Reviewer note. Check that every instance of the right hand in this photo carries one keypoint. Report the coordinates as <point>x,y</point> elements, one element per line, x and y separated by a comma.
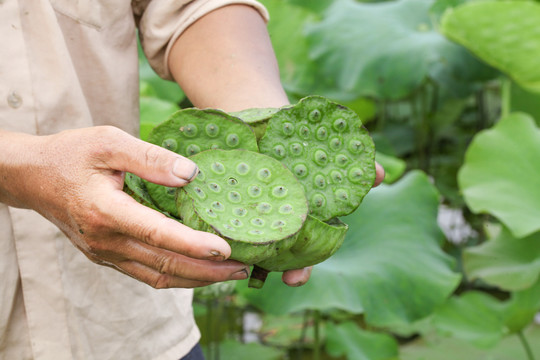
<point>75,179</point>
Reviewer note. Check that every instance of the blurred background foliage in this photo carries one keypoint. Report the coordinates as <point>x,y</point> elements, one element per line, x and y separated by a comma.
<point>442,261</point>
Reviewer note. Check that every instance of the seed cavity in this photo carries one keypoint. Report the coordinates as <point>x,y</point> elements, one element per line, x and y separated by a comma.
<point>280,191</point>
<point>288,129</point>
<point>242,168</point>
<point>232,140</point>
<point>342,160</point>
<point>190,130</point>
<point>296,149</point>
<point>279,150</point>
<point>237,222</point>
<point>355,146</point>
<point>218,168</point>
<point>218,206</point>
<point>319,181</point>
<point>254,191</point>
<point>211,213</point>
<point>318,200</point>
<point>315,116</point>
<point>212,130</point>
<point>303,132</point>
<point>200,193</point>
<point>322,133</point>
<point>170,144</point>
<point>240,212</point>
<point>301,170</point>
<point>232,181</point>
<point>214,146</point>
<point>285,209</point>
<point>340,125</point>
<point>336,176</point>
<point>214,187</point>
<point>193,149</point>
<point>342,194</point>
<point>336,143</point>
<point>170,191</point>
<point>235,197</point>
<point>257,222</point>
<point>356,174</point>
<point>320,157</point>
<point>264,174</point>
<point>255,232</point>
<point>264,208</point>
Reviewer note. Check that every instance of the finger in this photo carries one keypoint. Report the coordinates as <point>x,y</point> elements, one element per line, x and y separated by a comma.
<point>169,263</point>
<point>297,277</point>
<point>154,278</point>
<point>379,174</point>
<point>148,161</point>
<point>155,229</point>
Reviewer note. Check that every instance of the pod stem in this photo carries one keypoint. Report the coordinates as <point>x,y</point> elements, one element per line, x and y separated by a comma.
<point>258,277</point>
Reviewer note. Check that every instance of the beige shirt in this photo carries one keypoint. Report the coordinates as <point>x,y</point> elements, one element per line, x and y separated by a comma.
<point>70,64</point>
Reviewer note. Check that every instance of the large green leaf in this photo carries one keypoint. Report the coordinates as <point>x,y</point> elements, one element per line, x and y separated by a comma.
<point>388,49</point>
<point>501,173</point>
<point>358,344</point>
<point>483,320</point>
<point>390,266</point>
<point>505,34</point>
<point>506,262</point>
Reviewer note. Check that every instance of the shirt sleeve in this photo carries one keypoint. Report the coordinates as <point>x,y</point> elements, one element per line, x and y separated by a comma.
<point>161,22</point>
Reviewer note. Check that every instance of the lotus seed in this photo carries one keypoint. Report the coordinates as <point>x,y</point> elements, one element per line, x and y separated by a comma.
<point>296,149</point>
<point>212,130</point>
<point>285,209</point>
<point>242,168</point>
<point>356,174</point>
<point>319,181</point>
<point>315,116</point>
<point>321,157</point>
<point>236,222</point>
<point>214,187</point>
<point>322,133</point>
<point>193,149</point>
<point>232,181</point>
<point>264,208</point>
<point>218,206</point>
<point>279,150</point>
<point>211,213</point>
<point>342,194</point>
<point>304,132</point>
<point>257,222</point>
<point>301,170</point>
<point>190,130</point>
<point>355,146</point>
<point>280,191</point>
<point>170,144</point>
<point>335,143</point>
<point>318,200</point>
<point>200,193</point>
<point>214,146</point>
<point>340,125</point>
<point>255,232</point>
<point>235,197</point>
<point>218,168</point>
<point>232,140</point>
<point>288,129</point>
<point>342,160</point>
<point>278,224</point>
<point>336,176</point>
<point>254,191</point>
<point>240,212</point>
<point>264,174</point>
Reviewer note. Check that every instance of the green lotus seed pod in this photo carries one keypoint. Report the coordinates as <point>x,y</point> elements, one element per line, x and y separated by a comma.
<point>316,242</point>
<point>249,199</point>
<point>257,118</point>
<point>136,188</point>
<point>190,131</point>
<point>325,145</point>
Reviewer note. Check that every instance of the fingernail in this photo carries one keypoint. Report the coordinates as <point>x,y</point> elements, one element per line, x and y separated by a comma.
<point>181,170</point>
<point>240,275</point>
<point>216,256</point>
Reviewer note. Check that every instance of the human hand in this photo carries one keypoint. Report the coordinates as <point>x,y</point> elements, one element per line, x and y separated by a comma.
<point>75,179</point>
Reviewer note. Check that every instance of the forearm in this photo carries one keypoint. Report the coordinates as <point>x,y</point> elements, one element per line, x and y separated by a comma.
<point>225,60</point>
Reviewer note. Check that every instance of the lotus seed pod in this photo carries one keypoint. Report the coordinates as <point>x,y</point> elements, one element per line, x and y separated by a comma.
<point>325,145</point>
<point>257,118</point>
<point>190,131</point>
<point>249,199</point>
<point>136,188</point>
<point>214,291</point>
<point>316,242</point>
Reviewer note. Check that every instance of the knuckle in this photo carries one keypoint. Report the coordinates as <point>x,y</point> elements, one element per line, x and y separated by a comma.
<point>154,158</point>
<point>165,265</point>
<point>162,281</point>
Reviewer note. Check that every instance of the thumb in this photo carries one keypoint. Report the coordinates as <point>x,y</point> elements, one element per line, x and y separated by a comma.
<point>150,162</point>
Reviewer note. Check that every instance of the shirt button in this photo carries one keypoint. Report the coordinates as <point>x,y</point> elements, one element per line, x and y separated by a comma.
<point>14,100</point>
